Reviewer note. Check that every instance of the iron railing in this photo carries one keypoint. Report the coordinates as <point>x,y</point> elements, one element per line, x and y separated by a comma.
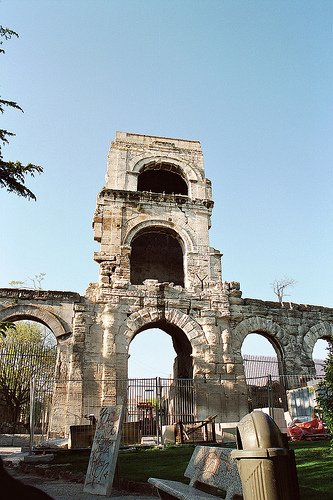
<point>157,402</point>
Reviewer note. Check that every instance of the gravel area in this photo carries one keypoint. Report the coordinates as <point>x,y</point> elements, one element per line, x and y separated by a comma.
<point>63,490</point>
<point>60,489</point>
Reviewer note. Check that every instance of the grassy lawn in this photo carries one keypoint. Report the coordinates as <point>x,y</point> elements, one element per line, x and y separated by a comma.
<point>314,469</point>
<point>314,465</point>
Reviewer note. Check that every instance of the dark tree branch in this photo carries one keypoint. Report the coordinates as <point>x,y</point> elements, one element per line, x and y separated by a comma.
<point>13,174</point>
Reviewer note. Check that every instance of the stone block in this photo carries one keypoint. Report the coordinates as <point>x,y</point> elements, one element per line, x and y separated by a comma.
<point>38,459</point>
<point>200,304</point>
<point>179,303</point>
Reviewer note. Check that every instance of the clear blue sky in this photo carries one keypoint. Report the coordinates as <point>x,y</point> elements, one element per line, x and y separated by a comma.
<point>251,80</point>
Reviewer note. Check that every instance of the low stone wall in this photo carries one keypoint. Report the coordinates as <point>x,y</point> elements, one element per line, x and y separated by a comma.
<point>19,440</point>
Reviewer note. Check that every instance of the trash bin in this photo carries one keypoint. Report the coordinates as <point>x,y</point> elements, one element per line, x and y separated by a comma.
<point>266,466</point>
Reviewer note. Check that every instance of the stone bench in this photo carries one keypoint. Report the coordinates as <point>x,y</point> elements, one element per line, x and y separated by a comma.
<point>210,469</point>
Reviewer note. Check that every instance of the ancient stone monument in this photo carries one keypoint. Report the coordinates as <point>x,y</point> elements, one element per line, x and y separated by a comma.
<point>157,269</point>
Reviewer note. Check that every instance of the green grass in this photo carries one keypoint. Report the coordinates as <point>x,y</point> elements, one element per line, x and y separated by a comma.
<point>137,464</point>
<point>165,463</point>
<point>314,465</point>
<point>314,469</point>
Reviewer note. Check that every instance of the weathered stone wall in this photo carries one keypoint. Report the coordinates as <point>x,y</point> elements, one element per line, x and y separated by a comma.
<point>54,309</point>
<point>207,319</point>
<point>94,347</point>
<point>293,329</point>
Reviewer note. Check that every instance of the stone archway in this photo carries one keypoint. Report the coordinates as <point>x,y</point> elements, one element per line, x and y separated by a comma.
<point>33,313</point>
<point>153,317</point>
<point>192,334</point>
<point>265,382</point>
<point>182,366</point>
<point>156,254</point>
<point>161,177</point>
<point>145,318</point>
<point>147,225</point>
<point>190,174</point>
<point>322,330</point>
<point>268,328</point>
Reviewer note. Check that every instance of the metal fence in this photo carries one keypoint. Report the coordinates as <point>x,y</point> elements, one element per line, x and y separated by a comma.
<point>164,400</point>
<point>19,364</point>
<point>294,393</point>
<point>157,402</point>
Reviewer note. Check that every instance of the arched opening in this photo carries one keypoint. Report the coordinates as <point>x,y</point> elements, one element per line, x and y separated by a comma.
<point>263,367</point>
<point>155,354</point>
<point>162,177</point>
<point>28,351</point>
<point>319,355</point>
<point>151,355</point>
<point>157,254</point>
<point>163,352</point>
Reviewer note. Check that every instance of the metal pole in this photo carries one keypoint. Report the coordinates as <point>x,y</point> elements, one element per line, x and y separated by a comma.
<point>270,396</point>
<point>32,413</point>
<point>158,395</point>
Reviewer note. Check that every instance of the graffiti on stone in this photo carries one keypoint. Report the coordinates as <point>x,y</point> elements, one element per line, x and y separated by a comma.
<point>104,452</point>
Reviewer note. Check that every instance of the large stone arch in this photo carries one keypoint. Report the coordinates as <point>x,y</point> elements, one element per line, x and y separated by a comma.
<point>271,330</point>
<point>190,173</point>
<point>33,313</point>
<point>322,330</point>
<point>152,316</point>
<point>187,240</point>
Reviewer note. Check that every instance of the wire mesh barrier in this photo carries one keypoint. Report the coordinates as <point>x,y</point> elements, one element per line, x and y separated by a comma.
<point>296,394</point>
<point>40,406</point>
<point>153,406</point>
<point>159,402</point>
<point>19,364</point>
<point>267,388</point>
<point>171,399</point>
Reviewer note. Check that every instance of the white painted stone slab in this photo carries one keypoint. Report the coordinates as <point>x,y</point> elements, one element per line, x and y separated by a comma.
<point>104,451</point>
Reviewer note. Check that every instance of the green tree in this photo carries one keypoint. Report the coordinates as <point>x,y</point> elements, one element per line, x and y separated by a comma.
<point>26,351</point>
<point>4,327</point>
<point>325,392</point>
<point>13,174</point>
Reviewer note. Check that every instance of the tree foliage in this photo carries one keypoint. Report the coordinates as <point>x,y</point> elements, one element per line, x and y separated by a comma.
<point>325,392</point>
<point>13,174</point>
<point>26,351</point>
<point>4,327</point>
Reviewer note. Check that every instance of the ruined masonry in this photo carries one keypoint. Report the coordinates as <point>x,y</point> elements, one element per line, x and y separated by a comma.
<point>157,269</point>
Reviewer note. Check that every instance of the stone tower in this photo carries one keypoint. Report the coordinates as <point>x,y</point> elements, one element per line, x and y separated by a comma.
<point>156,266</point>
<point>153,215</point>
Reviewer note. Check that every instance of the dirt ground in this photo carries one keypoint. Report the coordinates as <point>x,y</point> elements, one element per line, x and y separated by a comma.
<point>59,489</point>
<point>63,490</point>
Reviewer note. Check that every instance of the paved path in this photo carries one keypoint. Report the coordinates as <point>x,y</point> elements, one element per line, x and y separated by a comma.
<point>60,489</point>
<point>63,490</point>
